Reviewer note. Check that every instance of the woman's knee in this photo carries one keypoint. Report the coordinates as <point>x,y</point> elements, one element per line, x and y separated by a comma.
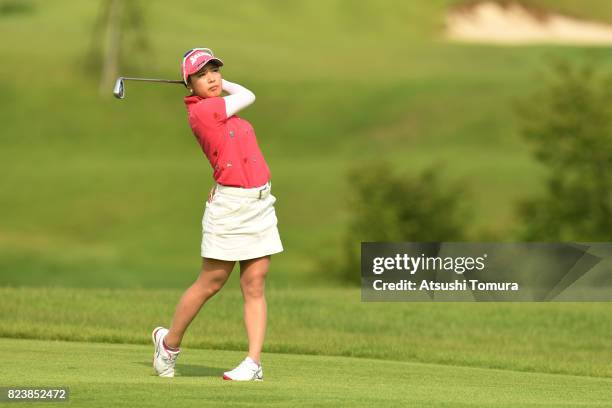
<point>211,281</point>
<point>253,276</point>
<point>253,287</point>
<point>212,286</point>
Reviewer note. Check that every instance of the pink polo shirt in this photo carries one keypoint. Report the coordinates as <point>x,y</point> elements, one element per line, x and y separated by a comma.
<point>229,144</point>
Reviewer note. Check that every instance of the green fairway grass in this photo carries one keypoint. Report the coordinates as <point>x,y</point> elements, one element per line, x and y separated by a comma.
<point>568,338</point>
<point>105,193</point>
<point>103,375</point>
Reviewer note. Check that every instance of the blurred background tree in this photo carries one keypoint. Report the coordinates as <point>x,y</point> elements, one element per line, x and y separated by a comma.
<point>9,7</point>
<point>119,30</point>
<point>387,206</point>
<point>569,123</point>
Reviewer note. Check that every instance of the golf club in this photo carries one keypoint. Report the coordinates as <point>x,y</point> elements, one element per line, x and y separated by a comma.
<point>119,89</point>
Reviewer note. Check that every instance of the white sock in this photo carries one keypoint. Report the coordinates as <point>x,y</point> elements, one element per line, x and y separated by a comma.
<point>249,359</point>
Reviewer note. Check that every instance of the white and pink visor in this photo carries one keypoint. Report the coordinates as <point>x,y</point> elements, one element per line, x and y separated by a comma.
<point>195,59</point>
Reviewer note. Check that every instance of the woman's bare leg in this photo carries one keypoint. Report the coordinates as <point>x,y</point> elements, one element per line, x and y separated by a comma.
<point>252,283</point>
<point>212,277</point>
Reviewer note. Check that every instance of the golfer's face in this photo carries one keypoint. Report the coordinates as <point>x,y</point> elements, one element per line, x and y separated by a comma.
<point>206,83</point>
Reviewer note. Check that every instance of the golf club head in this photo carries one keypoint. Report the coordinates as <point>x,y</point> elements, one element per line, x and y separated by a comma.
<point>119,89</point>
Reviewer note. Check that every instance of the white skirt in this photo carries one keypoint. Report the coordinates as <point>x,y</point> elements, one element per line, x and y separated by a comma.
<point>238,224</point>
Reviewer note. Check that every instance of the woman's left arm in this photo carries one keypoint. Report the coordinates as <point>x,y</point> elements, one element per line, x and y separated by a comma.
<point>239,97</point>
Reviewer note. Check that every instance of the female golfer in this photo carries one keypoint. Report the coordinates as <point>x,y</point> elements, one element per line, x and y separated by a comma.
<point>239,222</point>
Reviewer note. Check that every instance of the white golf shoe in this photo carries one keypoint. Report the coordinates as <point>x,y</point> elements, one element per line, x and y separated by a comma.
<point>248,370</point>
<point>163,358</point>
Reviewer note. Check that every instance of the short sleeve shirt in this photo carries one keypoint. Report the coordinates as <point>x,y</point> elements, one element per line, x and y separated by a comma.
<point>229,144</point>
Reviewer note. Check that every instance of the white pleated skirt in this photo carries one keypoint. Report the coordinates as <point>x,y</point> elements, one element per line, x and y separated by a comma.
<point>238,224</point>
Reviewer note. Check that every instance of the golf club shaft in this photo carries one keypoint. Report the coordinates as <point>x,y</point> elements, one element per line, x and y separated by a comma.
<point>173,81</point>
<point>119,88</point>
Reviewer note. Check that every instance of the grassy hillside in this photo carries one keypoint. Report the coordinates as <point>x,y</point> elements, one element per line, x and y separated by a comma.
<point>100,192</point>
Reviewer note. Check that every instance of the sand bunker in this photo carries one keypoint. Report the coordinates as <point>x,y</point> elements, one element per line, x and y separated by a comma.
<point>513,24</point>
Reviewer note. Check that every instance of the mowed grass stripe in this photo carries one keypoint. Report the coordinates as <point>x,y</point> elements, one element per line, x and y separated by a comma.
<point>569,338</point>
<point>121,375</point>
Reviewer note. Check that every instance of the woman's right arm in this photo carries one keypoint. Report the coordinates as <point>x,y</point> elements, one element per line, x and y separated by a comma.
<point>239,97</point>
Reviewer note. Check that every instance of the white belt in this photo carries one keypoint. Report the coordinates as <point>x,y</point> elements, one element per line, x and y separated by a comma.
<point>256,192</point>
